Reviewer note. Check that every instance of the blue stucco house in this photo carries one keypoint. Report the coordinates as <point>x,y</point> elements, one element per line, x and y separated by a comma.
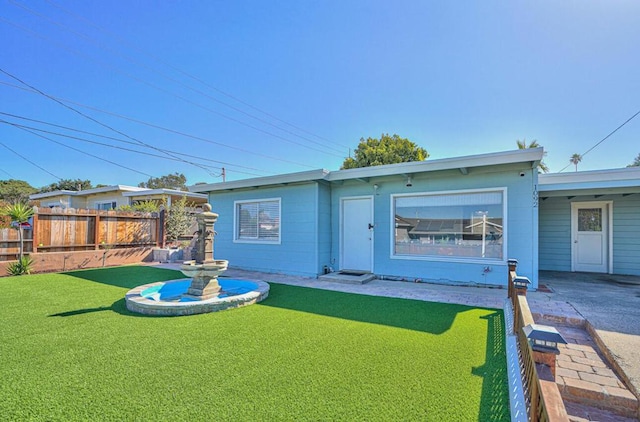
<point>454,220</point>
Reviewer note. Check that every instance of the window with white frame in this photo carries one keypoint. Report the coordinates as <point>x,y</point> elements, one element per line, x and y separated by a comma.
<point>110,205</point>
<point>466,225</point>
<point>258,221</point>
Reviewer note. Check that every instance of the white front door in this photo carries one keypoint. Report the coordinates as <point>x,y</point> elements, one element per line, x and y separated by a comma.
<point>590,228</point>
<point>356,229</point>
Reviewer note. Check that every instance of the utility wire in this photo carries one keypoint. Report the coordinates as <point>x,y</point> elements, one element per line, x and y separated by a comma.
<point>186,135</point>
<point>166,91</point>
<point>7,173</point>
<point>86,116</point>
<point>31,162</point>
<point>121,41</point>
<point>603,139</point>
<point>83,152</point>
<point>226,164</point>
<point>109,145</point>
<point>28,128</point>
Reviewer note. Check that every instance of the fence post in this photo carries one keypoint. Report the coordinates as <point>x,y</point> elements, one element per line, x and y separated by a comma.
<point>96,230</point>
<point>34,233</point>
<point>544,341</point>
<point>161,231</point>
<point>513,263</point>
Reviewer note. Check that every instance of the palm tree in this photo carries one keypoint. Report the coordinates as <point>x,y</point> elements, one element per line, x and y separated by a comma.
<point>533,144</point>
<point>19,214</point>
<point>575,159</point>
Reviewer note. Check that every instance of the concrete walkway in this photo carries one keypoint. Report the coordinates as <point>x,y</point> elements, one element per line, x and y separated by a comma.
<point>611,306</point>
<point>575,303</point>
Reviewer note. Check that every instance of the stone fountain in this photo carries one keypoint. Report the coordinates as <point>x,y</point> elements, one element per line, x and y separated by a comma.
<point>202,292</point>
<point>204,270</point>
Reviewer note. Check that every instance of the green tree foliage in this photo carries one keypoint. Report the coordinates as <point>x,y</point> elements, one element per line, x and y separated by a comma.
<point>533,144</point>
<point>142,206</point>
<point>15,190</point>
<point>169,181</point>
<point>68,184</point>
<point>19,213</point>
<point>386,150</point>
<point>178,220</point>
<point>636,162</point>
<point>575,159</point>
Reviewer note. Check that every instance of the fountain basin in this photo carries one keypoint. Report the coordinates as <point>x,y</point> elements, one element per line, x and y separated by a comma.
<point>170,298</point>
<point>208,269</point>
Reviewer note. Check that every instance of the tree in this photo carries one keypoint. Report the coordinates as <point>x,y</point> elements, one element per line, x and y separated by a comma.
<point>636,162</point>
<point>67,184</point>
<point>386,150</point>
<point>178,220</point>
<point>169,181</point>
<point>575,159</point>
<point>533,144</point>
<point>19,213</point>
<point>15,190</point>
<point>148,205</point>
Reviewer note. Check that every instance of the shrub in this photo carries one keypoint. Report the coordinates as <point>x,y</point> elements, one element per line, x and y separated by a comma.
<point>22,266</point>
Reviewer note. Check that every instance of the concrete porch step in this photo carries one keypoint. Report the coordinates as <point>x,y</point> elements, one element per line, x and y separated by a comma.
<point>348,277</point>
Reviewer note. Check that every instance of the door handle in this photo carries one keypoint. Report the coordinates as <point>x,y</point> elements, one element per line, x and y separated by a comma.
<point>371,226</point>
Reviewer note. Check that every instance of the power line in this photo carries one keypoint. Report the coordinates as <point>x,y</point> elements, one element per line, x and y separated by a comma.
<point>31,162</point>
<point>7,173</point>
<point>604,139</point>
<point>170,66</point>
<point>158,88</point>
<point>97,121</point>
<point>82,152</point>
<point>155,126</point>
<point>112,146</point>
<point>122,141</point>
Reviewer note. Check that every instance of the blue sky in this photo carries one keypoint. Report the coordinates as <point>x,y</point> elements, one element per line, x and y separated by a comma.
<point>267,87</point>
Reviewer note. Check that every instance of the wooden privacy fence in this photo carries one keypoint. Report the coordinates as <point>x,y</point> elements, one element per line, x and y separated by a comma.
<point>64,230</point>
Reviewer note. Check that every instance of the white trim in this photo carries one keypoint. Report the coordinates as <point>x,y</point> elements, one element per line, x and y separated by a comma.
<point>529,157</point>
<point>257,241</point>
<point>629,173</point>
<point>486,261</point>
<point>608,205</point>
<point>341,230</point>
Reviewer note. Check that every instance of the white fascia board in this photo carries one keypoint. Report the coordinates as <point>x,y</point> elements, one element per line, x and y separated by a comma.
<point>175,192</point>
<point>53,193</point>
<point>113,188</point>
<point>529,155</point>
<point>103,189</point>
<point>613,178</point>
<point>305,176</point>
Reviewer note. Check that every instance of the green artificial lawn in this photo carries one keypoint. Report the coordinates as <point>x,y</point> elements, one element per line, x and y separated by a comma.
<point>71,351</point>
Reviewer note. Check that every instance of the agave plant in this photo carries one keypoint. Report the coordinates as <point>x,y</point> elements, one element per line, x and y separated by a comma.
<point>21,266</point>
<point>19,213</point>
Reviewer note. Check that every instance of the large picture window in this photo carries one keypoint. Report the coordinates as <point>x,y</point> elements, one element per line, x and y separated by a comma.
<point>467,225</point>
<point>258,221</point>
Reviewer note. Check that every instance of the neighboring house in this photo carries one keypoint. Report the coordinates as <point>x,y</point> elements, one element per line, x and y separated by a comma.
<point>111,197</point>
<point>450,220</point>
<point>590,221</point>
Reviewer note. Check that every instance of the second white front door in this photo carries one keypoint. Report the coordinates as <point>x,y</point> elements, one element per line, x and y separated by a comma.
<point>357,234</point>
<point>591,248</point>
